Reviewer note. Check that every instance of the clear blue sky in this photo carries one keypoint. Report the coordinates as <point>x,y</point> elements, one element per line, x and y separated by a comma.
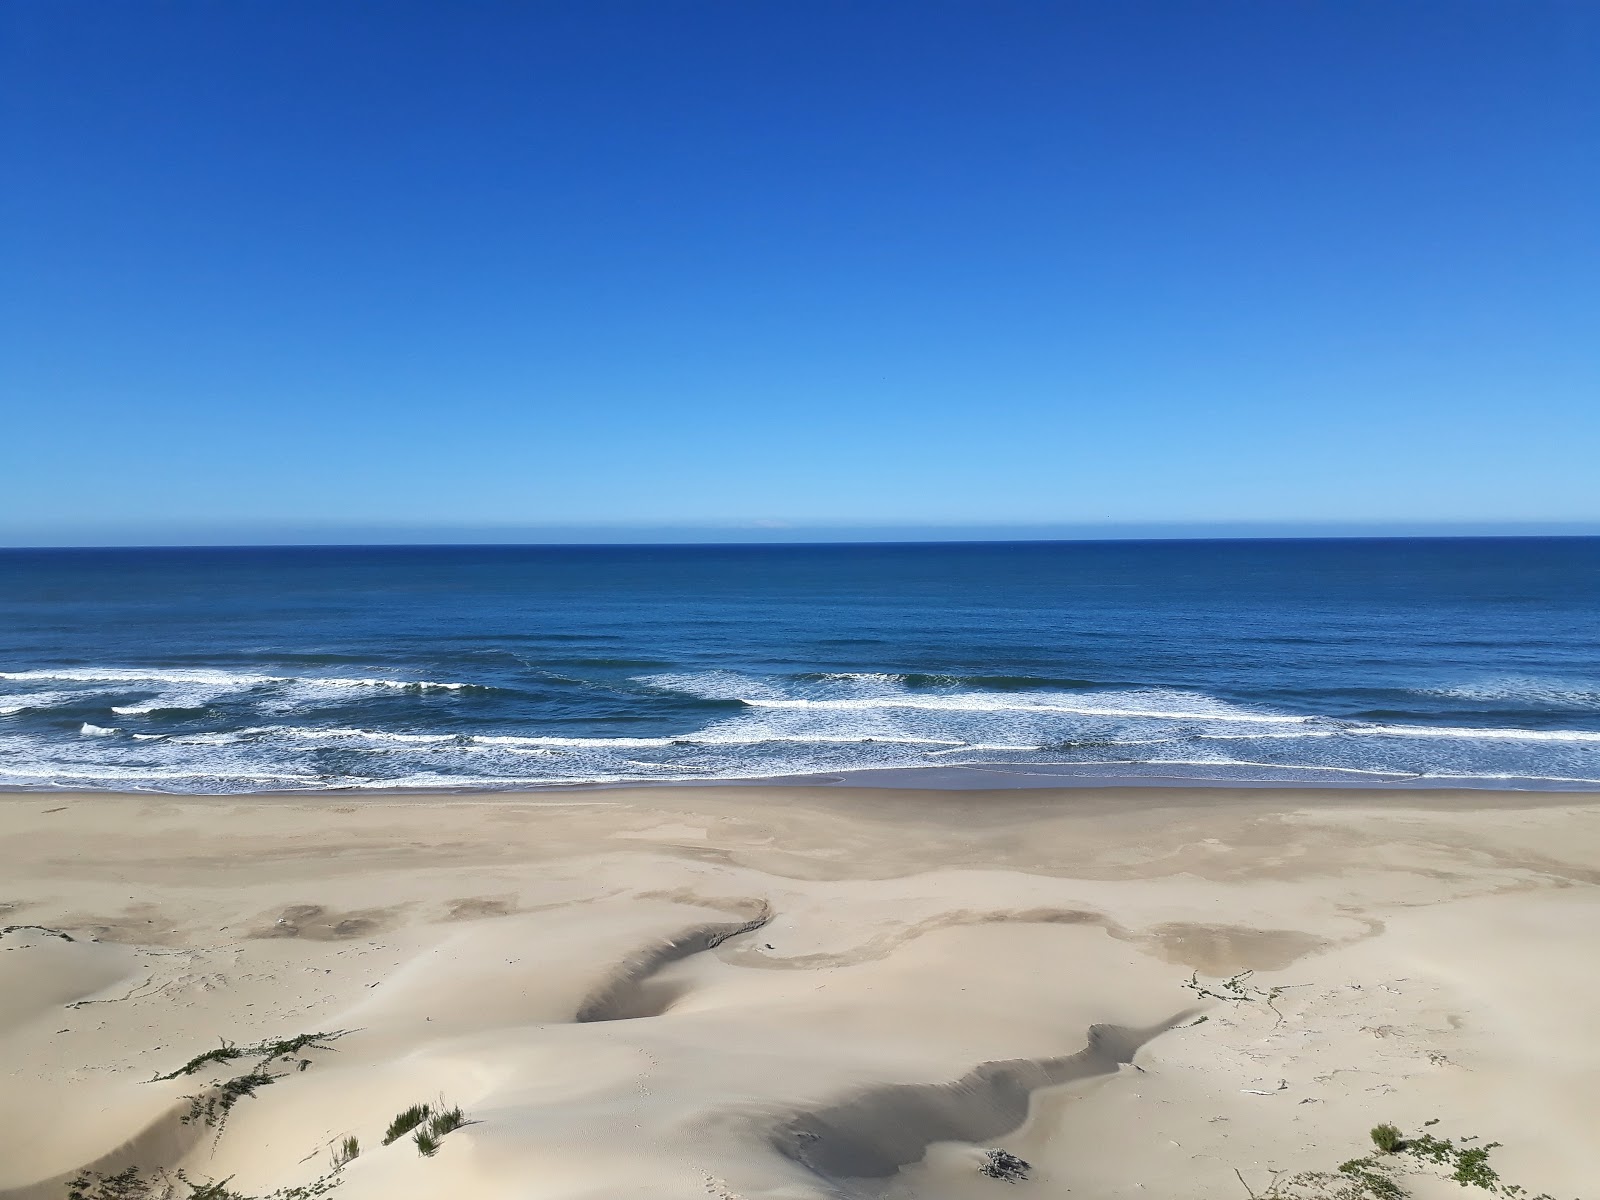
<point>274,264</point>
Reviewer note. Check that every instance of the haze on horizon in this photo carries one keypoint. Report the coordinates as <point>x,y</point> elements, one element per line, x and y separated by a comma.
<point>345,271</point>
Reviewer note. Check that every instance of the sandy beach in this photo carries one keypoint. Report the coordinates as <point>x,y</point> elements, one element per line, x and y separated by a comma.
<point>765,992</point>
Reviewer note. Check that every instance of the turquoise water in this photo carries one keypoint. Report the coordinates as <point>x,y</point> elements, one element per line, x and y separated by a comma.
<point>1431,661</point>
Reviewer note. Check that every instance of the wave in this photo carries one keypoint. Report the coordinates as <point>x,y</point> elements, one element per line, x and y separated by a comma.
<point>918,680</point>
<point>1544,693</point>
<point>224,679</point>
<point>469,741</point>
<point>887,691</point>
<point>735,735</point>
<point>36,702</point>
<point>1469,734</point>
<point>199,728</point>
<point>977,702</point>
<point>711,685</point>
<point>65,775</point>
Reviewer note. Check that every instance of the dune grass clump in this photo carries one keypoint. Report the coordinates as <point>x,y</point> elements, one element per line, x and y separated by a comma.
<point>445,1122</point>
<point>347,1151</point>
<point>427,1125</point>
<point>405,1121</point>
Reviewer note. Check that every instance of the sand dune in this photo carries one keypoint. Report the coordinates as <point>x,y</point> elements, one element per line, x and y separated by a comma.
<point>796,993</point>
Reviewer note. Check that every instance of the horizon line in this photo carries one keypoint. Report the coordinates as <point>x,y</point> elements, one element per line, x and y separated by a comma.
<point>362,536</point>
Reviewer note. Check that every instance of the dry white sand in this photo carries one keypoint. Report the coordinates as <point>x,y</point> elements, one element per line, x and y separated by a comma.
<point>802,993</point>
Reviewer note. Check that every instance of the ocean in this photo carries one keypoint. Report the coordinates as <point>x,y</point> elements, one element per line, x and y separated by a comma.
<point>1420,662</point>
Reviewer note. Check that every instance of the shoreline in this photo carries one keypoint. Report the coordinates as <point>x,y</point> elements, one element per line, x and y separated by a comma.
<point>800,992</point>
<point>955,777</point>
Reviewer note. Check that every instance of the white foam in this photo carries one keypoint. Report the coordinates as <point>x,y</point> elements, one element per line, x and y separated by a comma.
<point>1548,693</point>
<point>227,680</point>
<point>1246,762</point>
<point>75,771</point>
<point>1001,702</point>
<point>1510,778</point>
<point>177,700</point>
<point>1494,735</point>
<point>847,721</point>
<point>513,741</point>
<point>862,677</point>
<point>135,675</point>
<point>993,747</point>
<point>889,692</point>
<point>711,685</point>
<point>29,702</point>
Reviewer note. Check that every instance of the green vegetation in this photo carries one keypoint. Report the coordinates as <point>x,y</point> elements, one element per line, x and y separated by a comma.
<point>1386,1138</point>
<point>214,1189</point>
<point>430,1126</point>
<point>405,1121</point>
<point>1237,990</point>
<point>124,1185</point>
<point>427,1124</point>
<point>263,1052</point>
<point>446,1122</point>
<point>133,1184</point>
<point>212,1106</point>
<point>1380,1174</point>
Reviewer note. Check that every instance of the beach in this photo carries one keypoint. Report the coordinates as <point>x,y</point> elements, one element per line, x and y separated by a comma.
<point>760,991</point>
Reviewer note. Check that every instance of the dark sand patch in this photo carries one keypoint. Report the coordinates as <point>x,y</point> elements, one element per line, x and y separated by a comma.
<point>473,908</point>
<point>1228,949</point>
<point>879,1130</point>
<point>318,924</point>
<point>630,992</point>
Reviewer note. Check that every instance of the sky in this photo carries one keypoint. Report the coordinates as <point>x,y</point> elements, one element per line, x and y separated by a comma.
<point>333,270</point>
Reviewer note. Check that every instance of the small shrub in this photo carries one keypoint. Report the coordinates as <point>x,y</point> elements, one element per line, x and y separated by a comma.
<point>124,1185</point>
<point>349,1150</point>
<point>263,1052</point>
<point>211,1107</point>
<point>131,1184</point>
<point>1381,1174</point>
<point>405,1121</point>
<point>427,1144</point>
<point>1387,1138</point>
<point>1001,1164</point>
<point>226,1052</point>
<point>214,1189</point>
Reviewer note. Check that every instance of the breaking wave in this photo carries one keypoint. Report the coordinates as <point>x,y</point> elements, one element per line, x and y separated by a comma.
<point>198,729</point>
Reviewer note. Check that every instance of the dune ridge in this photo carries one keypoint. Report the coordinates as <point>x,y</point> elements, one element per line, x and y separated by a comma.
<point>796,994</point>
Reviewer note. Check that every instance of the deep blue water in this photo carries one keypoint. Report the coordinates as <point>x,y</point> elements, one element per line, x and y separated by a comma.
<point>1446,661</point>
